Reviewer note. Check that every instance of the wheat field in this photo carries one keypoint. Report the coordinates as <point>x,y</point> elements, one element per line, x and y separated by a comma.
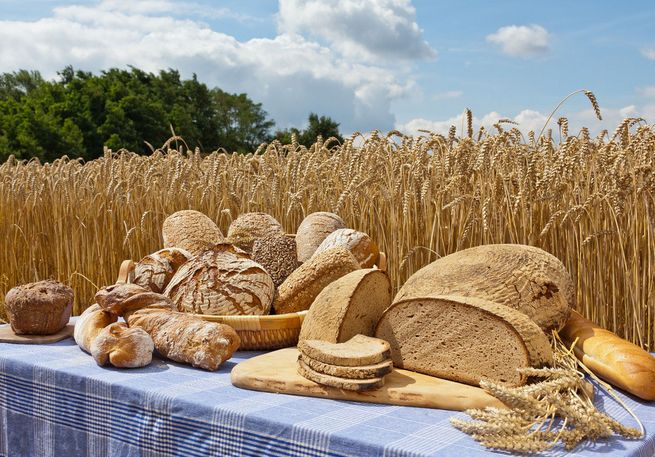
<point>588,200</point>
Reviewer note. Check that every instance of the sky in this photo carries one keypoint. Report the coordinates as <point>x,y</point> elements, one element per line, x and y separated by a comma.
<point>368,64</point>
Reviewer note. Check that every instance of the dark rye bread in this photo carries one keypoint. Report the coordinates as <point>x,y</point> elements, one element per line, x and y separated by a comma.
<point>463,339</point>
<point>359,350</point>
<point>362,372</point>
<point>335,381</point>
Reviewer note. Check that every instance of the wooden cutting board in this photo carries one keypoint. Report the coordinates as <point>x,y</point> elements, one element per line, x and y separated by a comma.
<point>7,335</point>
<point>276,372</point>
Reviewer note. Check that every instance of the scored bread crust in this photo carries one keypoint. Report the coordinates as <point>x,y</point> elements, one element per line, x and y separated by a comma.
<point>377,370</point>
<point>356,385</point>
<point>156,270</point>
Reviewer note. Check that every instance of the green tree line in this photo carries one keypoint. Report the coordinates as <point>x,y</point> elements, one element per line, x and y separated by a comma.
<point>79,112</point>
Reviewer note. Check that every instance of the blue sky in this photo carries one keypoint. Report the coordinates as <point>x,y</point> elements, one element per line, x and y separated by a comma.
<point>369,64</point>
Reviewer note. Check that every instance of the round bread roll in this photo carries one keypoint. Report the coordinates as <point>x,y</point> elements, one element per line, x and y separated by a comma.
<point>190,230</point>
<point>156,270</point>
<point>39,308</point>
<point>360,244</point>
<point>313,230</point>
<point>277,254</point>
<point>222,281</point>
<point>248,227</point>
<point>122,347</point>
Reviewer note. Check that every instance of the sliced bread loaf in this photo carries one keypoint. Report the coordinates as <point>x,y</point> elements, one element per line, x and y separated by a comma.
<point>463,339</point>
<point>377,370</point>
<point>340,383</point>
<point>349,306</point>
<point>359,350</point>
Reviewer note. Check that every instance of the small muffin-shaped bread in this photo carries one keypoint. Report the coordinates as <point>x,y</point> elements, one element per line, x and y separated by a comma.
<point>302,286</point>
<point>190,230</point>
<point>39,308</point>
<point>122,347</point>
<point>313,230</point>
<point>277,254</point>
<point>223,280</point>
<point>156,270</point>
<point>248,227</point>
<point>360,244</point>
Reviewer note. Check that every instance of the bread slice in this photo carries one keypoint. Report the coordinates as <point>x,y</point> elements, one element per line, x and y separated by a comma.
<point>340,383</point>
<point>359,350</point>
<point>351,305</point>
<point>377,370</point>
<point>463,339</point>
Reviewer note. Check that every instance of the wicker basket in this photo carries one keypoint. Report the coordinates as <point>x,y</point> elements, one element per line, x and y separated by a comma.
<point>256,332</point>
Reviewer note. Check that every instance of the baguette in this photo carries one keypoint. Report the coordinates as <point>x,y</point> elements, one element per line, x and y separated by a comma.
<point>617,361</point>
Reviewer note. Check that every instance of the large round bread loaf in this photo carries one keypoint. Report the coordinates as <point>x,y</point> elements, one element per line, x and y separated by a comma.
<point>464,339</point>
<point>190,230</point>
<point>526,278</point>
<point>312,231</point>
<point>302,286</point>
<point>349,306</point>
<point>222,281</point>
<point>359,243</point>
<point>248,227</point>
<point>156,270</point>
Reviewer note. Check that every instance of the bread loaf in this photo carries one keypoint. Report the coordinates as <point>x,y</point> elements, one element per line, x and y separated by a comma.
<point>222,281</point>
<point>190,230</point>
<point>377,370</point>
<point>312,231</point>
<point>156,270</point>
<point>39,308</point>
<point>340,383</point>
<point>302,286</point>
<point>122,347</point>
<point>360,244</point>
<point>248,227</point>
<point>90,324</point>
<point>358,351</point>
<point>349,306</point>
<point>612,358</point>
<point>464,339</point>
<point>277,254</point>
<point>521,277</point>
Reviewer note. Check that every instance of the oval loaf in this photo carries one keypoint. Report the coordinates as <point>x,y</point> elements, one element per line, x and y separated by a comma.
<point>248,227</point>
<point>156,270</point>
<point>359,243</point>
<point>190,230</point>
<point>312,231</point>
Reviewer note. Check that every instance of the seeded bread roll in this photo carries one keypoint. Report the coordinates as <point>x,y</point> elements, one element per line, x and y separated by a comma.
<point>248,227</point>
<point>277,254</point>
<point>360,244</point>
<point>313,230</point>
<point>156,270</point>
<point>190,230</point>
<point>222,281</point>
<point>90,324</point>
<point>349,306</point>
<point>302,286</point>
<point>39,308</point>
<point>122,347</point>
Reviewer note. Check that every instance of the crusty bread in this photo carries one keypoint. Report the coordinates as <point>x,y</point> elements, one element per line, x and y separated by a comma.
<point>248,227</point>
<point>464,339</point>
<point>190,230</point>
<point>312,231</point>
<point>340,383</point>
<point>521,277</point>
<point>360,350</point>
<point>222,281</point>
<point>302,286</point>
<point>612,358</point>
<point>377,370</point>
<point>359,243</point>
<point>90,323</point>
<point>277,254</point>
<point>349,306</point>
<point>39,308</point>
<point>156,270</point>
<point>122,347</point>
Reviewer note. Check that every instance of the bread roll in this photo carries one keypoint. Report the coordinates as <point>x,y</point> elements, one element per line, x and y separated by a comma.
<point>617,361</point>
<point>90,324</point>
<point>313,230</point>
<point>522,277</point>
<point>190,230</point>
<point>156,270</point>
<point>122,347</point>
<point>360,244</point>
<point>248,227</point>
<point>39,308</point>
<point>302,286</point>
<point>222,281</point>
<point>277,254</point>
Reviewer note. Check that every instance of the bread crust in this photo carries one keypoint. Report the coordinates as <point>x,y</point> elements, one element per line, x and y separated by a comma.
<point>190,230</point>
<point>122,347</point>
<point>90,324</point>
<point>359,243</point>
<point>312,231</point>
<point>39,308</point>
<point>357,385</point>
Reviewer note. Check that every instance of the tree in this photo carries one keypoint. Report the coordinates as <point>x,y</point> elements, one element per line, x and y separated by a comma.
<point>323,126</point>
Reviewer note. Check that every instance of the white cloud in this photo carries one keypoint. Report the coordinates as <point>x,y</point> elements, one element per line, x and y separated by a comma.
<point>649,53</point>
<point>365,29</point>
<point>525,41</point>
<point>648,91</point>
<point>448,95</point>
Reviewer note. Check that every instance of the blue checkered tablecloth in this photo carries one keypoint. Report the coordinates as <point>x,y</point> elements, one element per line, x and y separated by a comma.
<point>55,401</point>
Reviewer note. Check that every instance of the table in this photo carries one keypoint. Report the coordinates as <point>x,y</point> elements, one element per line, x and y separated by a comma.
<point>55,401</point>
